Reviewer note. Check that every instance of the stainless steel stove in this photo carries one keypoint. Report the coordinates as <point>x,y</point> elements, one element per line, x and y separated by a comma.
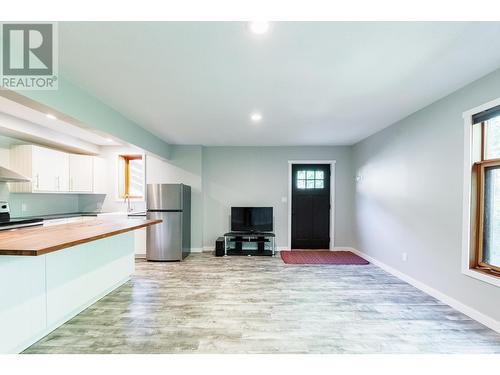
<point>7,223</point>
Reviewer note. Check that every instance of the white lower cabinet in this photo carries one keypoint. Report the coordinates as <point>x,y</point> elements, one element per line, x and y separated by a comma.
<point>140,242</point>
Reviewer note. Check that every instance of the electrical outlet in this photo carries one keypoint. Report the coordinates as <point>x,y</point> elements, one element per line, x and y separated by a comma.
<point>404,256</point>
<point>24,208</point>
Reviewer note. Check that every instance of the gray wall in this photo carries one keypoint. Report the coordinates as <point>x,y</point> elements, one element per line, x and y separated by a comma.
<point>410,196</point>
<point>258,176</point>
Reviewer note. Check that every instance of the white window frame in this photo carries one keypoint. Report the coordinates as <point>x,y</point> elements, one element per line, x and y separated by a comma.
<point>466,225</point>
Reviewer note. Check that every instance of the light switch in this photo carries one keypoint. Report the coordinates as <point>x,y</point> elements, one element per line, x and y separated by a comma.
<point>284,199</point>
<point>24,208</point>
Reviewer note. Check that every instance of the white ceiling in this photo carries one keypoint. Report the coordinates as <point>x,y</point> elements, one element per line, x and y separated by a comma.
<point>314,83</point>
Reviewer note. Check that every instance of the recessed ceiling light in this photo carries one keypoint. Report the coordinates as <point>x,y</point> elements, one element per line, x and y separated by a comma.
<point>256,117</point>
<point>259,27</point>
<point>110,140</point>
<point>51,116</point>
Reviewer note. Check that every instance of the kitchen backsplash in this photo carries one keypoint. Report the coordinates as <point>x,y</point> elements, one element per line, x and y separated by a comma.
<point>91,202</point>
<point>41,204</point>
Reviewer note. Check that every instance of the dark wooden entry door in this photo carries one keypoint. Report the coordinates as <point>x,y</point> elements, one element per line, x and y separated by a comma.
<point>310,206</point>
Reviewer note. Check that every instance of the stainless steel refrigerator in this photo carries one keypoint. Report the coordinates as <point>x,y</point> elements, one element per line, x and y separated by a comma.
<point>171,239</point>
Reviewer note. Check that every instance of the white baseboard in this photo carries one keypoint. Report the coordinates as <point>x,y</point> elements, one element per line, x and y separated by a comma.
<point>208,248</point>
<point>457,305</point>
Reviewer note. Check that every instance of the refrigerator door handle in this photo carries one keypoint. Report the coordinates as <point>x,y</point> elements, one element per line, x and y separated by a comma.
<point>160,210</point>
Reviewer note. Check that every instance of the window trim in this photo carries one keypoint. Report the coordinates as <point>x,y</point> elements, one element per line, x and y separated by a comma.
<point>479,219</point>
<point>126,174</point>
<point>469,210</point>
<point>127,156</point>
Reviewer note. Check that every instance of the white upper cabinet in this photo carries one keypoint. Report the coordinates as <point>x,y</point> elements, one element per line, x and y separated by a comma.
<point>61,170</point>
<point>43,172</point>
<point>100,175</point>
<point>51,171</point>
<point>81,173</point>
<point>47,168</point>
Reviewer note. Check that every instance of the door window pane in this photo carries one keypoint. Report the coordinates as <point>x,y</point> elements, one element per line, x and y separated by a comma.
<point>310,179</point>
<point>491,217</point>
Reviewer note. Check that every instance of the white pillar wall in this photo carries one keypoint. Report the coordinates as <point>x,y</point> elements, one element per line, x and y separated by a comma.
<point>39,293</point>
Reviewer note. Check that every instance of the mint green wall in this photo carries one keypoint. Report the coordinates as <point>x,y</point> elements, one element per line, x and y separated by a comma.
<point>75,102</point>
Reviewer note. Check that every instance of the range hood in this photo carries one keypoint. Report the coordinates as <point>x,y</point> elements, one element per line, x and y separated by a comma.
<point>6,175</point>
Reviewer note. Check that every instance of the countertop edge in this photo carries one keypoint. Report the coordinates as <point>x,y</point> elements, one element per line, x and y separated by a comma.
<point>65,245</point>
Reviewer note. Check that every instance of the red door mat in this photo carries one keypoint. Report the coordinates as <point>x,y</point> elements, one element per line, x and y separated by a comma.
<point>321,257</point>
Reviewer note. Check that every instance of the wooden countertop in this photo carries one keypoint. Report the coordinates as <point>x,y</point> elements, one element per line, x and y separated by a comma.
<point>42,240</point>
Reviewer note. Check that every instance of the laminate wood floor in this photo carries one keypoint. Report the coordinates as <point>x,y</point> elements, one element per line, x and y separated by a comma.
<point>261,305</point>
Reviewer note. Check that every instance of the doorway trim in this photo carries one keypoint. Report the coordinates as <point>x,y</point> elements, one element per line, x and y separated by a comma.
<point>332,197</point>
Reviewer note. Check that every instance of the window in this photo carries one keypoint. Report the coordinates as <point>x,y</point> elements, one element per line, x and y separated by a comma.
<point>486,190</point>
<point>308,179</point>
<point>131,176</point>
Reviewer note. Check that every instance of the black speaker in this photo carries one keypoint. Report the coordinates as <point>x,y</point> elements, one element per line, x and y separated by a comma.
<point>219,247</point>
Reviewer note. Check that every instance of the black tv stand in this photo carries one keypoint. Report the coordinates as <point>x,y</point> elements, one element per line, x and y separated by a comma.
<point>257,243</point>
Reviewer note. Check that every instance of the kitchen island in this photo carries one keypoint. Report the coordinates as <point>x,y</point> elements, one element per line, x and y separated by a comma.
<point>50,274</point>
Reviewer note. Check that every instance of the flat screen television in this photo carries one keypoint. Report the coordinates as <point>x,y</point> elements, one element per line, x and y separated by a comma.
<point>251,219</point>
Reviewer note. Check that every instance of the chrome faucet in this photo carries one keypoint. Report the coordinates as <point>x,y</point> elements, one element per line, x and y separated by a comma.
<point>127,200</point>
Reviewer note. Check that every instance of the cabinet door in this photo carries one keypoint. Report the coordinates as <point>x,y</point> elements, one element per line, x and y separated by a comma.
<point>62,170</point>
<point>140,241</point>
<point>81,173</point>
<point>44,169</point>
<point>100,177</point>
